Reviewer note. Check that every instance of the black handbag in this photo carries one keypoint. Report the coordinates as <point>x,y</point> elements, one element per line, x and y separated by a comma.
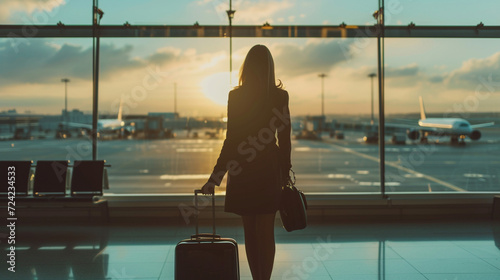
<point>293,206</point>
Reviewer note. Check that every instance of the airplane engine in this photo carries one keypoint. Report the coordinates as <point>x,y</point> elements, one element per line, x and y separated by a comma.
<point>413,134</point>
<point>475,135</point>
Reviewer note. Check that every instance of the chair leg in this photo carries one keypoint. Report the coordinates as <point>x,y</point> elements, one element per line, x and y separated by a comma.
<point>105,212</point>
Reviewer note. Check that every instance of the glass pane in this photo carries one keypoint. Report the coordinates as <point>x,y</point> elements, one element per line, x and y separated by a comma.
<point>206,12</point>
<point>39,79</point>
<point>45,12</point>
<point>447,12</point>
<point>449,151</point>
<point>254,12</point>
<point>175,153</point>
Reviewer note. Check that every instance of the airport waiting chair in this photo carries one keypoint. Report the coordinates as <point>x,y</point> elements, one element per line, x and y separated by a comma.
<point>50,178</point>
<point>19,178</point>
<point>87,184</point>
<point>87,178</point>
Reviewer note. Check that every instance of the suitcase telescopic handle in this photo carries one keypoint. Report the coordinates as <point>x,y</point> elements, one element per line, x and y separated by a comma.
<point>196,192</point>
<point>207,235</point>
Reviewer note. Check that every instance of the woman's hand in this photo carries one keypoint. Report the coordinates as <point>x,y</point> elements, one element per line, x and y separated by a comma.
<point>208,188</point>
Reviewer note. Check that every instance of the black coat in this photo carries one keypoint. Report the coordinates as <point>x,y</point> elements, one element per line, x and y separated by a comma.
<point>251,155</point>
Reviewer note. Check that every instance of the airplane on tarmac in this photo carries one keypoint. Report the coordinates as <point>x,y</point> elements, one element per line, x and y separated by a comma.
<point>105,126</point>
<point>456,128</point>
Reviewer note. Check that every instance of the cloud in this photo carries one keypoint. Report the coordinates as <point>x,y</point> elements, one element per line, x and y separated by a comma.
<point>250,12</point>
<point>9,7</point>
<point>436,79</point>
<point>164,56</point>
<point>39,61</point>
<point>474,72</point>
<point>315,57</point>
<point>410,70</point>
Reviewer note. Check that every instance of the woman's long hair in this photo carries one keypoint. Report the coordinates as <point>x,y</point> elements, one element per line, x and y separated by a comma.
<point>257,70</point>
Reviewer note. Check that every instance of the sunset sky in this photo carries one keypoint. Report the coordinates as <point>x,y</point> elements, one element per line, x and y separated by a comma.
<point>448,73</point>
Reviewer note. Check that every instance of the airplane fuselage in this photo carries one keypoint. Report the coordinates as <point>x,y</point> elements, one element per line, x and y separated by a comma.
<point>112,124</point>
<point>446,126</point>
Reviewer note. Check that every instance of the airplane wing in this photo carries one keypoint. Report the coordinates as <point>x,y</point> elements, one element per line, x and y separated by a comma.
<point>409,125</point>
<point>424,128</point>
<point>77,125</point>
<point>482,125</point>
<point>404,124</point>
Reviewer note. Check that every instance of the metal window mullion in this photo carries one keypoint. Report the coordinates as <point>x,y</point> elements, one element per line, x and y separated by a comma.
<point>214,31</point>
<point>381,111</point>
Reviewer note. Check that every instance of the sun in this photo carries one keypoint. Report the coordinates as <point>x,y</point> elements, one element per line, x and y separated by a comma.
<point>216,86</point>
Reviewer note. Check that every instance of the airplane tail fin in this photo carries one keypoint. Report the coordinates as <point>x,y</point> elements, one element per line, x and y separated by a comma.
<point>422,109</point>
<point>120,110</point>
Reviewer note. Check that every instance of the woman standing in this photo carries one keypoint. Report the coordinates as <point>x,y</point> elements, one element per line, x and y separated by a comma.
<point>256,162</point>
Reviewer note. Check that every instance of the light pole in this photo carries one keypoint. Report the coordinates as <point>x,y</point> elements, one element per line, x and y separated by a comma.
<point>97,15</point>
<point>175,101</point>
<point>322,76</point>
<point>65,81</point>
<point>230,16</point>
<point>379,16</point>
<point>372,75</point>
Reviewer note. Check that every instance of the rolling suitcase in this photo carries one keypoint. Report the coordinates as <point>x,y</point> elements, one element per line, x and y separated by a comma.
<point>206,256</point>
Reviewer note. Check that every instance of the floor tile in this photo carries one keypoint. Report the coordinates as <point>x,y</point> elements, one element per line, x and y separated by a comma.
<point>309,268</point>
<point>361,253</point>
<point>493,261</point>
<point>434,250</point>
<point>342,267</point>
<point>135,270</point>
<point>462,265</point>
<point>378,277</point>
<point>462,276</point>
<point>483,249</point>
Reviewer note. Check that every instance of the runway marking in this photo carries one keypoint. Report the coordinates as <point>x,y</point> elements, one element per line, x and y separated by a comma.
<point>430,178</point>
<point>476,175</point>
<point>194,150</point>
<point>51,248</point>
<point>377,184</point>
<point>184,177</point>
<point>339,176</point>
<point>362,172</point>
<point>9,149</point>
<point>413,175</point>
<point>302,149</point>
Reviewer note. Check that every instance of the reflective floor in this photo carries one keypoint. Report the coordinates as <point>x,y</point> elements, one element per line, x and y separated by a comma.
<point>452,250</point>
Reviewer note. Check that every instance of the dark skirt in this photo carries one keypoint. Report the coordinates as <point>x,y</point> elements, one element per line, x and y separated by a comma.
<point>256,188</point>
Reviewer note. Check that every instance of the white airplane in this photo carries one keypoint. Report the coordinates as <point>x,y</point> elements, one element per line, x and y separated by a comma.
<point>105,126</point>
<point>456,128</point>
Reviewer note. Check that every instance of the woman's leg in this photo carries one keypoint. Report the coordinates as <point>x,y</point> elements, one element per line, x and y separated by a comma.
<point>251,245</point>
<point>266,244</point>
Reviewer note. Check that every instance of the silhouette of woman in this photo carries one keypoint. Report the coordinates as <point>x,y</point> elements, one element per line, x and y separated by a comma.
<point>256,161</point>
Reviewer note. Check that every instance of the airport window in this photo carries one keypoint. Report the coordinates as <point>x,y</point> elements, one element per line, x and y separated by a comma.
<point>46,87</point>
<point>173,102</point>
<point>48,12</point>
<point>404,12</point>
<point>162,101</point>
<point>314,12</point>
<point>448,154</point>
